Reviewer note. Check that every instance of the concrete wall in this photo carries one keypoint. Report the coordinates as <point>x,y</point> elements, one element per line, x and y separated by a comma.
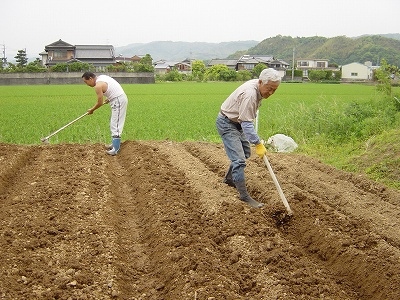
<point>69,78</point>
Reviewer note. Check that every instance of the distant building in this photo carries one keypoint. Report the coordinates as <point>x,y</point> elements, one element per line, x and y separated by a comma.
<point>100,56</point>
<point>163,66</point>
<point>356,71</point>
<point>248,62</point>
<point>184,66</point>
<point>307,65</point>
<point>230,63</point>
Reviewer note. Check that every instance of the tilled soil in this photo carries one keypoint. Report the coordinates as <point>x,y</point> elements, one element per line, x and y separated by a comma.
<point>156,222</point>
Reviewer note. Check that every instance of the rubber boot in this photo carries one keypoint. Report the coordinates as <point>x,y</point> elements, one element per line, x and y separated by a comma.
<point>228,178</point>
<point>244,195</point>
<point>116,143</point>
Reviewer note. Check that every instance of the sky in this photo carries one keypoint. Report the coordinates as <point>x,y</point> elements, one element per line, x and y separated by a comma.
<point>32,24</point>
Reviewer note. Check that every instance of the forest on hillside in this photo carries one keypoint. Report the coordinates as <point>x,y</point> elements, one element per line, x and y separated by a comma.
<point>339,50</point>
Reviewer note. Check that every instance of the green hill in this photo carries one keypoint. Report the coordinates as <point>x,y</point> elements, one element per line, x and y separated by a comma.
<point>340,50</point>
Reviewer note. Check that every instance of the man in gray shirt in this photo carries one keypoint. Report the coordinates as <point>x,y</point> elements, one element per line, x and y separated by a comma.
<point>235,125</point>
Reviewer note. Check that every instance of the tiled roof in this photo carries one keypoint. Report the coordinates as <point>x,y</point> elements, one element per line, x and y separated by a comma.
<point>94,51</point>
<point>228,62</point>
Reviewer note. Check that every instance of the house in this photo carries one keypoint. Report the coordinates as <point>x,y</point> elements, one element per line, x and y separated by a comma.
<point>136,58</point>
<point>307,65</point>
<point>125,59</point>
<point>356,71</point>
<point>230,63</point>
<point>163,66</point>
<point>280,65</point>
<point>248,62</point>
<point>184,66</point>
<point>100,56</point>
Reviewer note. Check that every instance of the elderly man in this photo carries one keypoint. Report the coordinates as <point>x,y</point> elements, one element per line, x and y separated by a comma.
<point>236,128</point>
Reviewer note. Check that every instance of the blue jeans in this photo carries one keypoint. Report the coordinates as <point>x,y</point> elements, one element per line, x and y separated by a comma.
<point>236,146</point>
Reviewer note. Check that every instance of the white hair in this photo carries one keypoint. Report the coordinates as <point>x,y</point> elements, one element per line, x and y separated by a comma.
<point>269,75</point>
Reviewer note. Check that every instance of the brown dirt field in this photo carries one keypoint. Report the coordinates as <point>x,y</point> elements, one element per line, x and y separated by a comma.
<point>156,222</point>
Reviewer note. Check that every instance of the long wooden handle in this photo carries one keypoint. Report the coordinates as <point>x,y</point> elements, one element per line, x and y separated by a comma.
<point>283,198</point>
<point>65,126</point>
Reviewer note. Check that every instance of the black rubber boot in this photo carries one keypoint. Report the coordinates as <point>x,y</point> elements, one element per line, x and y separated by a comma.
<point>244,195</point>
<point>228,178</point>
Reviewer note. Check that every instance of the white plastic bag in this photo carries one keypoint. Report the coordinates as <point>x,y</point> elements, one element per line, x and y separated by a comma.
<point>282,143</point>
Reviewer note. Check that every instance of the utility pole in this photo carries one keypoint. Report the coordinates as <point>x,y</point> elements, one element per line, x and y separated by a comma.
<point>293,64</point>
<point>4,58</point>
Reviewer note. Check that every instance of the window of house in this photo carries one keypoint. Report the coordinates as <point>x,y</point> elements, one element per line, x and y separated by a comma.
<point>60,53</point>
<point>303,63</point>
<point>320,64</point>
<point>354,74</point>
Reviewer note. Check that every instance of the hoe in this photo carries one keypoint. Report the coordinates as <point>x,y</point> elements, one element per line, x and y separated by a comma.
<point>46,139</point>
<point>283,198</point>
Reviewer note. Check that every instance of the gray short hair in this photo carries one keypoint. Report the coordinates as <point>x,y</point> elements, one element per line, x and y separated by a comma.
<point>269,75</point>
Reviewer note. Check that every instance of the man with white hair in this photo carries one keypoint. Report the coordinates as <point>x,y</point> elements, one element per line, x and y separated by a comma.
<point>235,125</point>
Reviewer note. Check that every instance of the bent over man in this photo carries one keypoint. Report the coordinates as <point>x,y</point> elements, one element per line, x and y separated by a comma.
<point>235,125</point>
<point>106,86</point>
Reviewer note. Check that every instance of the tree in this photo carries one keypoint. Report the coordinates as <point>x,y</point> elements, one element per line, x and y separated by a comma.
<point>258,69</point>
<point>147,60</point>
<point>173,75</point>
<point>77,66</point>
<point>60,67</point>
<point>21,59</point>
<point>35,66</point>
<point>317,75</point>
<point>144,65</point>
<point>218,72</point>
<point>198,69</point>
<point>243,75</point>
<point>382,75</point>
<point>227,75</point>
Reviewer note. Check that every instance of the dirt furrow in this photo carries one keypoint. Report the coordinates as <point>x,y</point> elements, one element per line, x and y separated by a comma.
<point>337,237</point>
<point>348,239</point>
<point>357,196</point>
<point>54,242</point>
<point>11,163</point>
<point>156,222</point>
<point>131,260</point>
<point>246,244</point>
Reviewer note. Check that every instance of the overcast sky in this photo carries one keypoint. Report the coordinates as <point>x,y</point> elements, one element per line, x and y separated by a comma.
<point>33,24</point>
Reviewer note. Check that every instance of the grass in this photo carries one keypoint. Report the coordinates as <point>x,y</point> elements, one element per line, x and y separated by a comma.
<point>330,122</point>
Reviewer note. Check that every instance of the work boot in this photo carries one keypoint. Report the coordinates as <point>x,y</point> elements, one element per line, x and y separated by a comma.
<point>244,195</point>
<point>116,144</point>
<point>228,178</point>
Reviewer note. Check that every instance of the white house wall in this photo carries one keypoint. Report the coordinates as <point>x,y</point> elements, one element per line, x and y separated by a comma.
<point>356,71</point>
